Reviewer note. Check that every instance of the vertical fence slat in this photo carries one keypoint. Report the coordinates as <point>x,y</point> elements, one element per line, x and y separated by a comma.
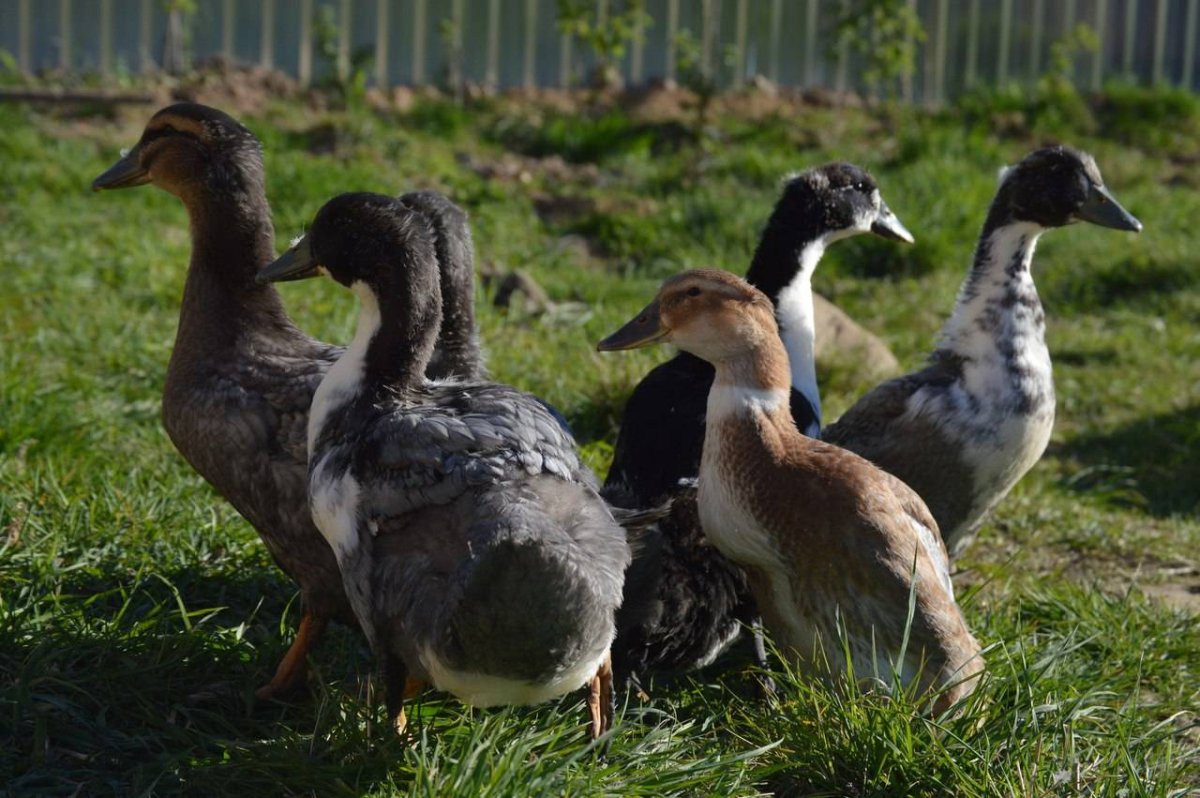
<point>491,78</point>
<point>24,59</point>
<point>1005,36</point>
<point>64,35</point>
<point>345,24</point>
<point>1130,36</point>
<point>527,66</point>
<point>227,13</point>
<point>906,79</point>
<point>266,40</point>
<point>381,43</point>
<point>564,60</point>
<point>1189,46</point>
<point>706,37</point>
<point>419,26</point>
<point>1098,56</point>
<point>458,77</point>
<point>304,67</point>
<point>843,53</point>
<point>971,67</point>
<point>672,33</point>
<point>1035,39</point>
<point>939,70</point>
<point>145,25</point>
<point>1160,40</point>
<point>106,25</point>
<point>739,45</point>
<point>810,43</point>
<point>774,33</point>
<point>638,54</point>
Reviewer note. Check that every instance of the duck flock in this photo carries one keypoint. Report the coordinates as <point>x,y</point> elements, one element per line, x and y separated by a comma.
<point>451,519</point>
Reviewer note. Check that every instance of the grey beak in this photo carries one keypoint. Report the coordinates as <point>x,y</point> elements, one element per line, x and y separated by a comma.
<point>1101,208</point>
<point>125,173</point>
<point>298,263</point>
<point>886,225</point>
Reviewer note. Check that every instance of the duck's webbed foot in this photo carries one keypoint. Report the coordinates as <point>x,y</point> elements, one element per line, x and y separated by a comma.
<point>293,668</point>
<point>602,699</point>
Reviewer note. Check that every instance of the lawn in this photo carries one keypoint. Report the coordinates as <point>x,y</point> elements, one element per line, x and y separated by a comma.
<point>138,611</point>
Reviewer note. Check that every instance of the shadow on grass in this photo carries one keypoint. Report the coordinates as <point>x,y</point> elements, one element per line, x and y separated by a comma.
<point>1150,463</point>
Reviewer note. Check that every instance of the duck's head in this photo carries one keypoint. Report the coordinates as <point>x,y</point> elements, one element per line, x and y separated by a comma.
<point>1054,187</point>
<point>712,314</point>
<point>188,148</point>
<point>836,201</point>
<point>362,239</point>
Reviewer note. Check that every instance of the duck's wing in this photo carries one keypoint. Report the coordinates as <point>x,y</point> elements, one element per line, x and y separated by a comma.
<point>470,436</point>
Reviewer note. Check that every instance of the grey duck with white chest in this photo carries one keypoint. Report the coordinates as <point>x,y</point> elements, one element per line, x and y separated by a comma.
<point>473,545</point>
<point>963,430</point>
<point>831,544</point>
<point>242,376</point>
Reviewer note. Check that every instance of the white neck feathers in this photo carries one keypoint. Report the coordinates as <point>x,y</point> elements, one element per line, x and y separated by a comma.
<point>797,327</point>
<point>344,379</point>
<point>726,400</point>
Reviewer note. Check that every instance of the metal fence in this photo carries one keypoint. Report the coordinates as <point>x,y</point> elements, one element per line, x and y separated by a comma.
<point>506,43</point>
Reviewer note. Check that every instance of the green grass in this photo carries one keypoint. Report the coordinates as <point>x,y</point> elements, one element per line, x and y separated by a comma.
<point>138,611</point>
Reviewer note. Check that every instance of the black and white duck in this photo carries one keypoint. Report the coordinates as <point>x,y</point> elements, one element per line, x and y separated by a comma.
<point>474,547</point>
<point>835,548</point>
<point>964,429</point>
<point>242,376</point>
<point>684,601</point>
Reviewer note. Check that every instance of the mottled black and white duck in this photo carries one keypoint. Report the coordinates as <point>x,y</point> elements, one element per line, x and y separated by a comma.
<point>964,429</point>
<point>684,601</point>
<point>833,546</point>
<point>474,547</point>
<point>241,376</point>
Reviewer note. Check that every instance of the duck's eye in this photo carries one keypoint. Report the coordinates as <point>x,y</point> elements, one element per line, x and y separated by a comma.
<point>693,291</point>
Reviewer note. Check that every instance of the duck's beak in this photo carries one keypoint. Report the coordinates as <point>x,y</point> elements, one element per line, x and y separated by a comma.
<point>298,263</point>
<point>886,225</point>
<point>646,329</point>
<point>1102,208</point>
<point>125,173</point>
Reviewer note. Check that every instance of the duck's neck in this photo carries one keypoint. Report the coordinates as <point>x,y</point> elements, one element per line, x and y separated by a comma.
<point>752,388</point>
<point>458,353</point>
<point>388,356</point>
<point>782,269</point>
<point>997,330</point>
<point>232,238</point>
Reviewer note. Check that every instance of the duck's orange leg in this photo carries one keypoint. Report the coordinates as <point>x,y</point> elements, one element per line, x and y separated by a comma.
<point>600,698</point>
<point>293,668</point>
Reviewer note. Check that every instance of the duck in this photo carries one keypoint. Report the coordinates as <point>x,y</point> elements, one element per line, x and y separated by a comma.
<point>472,541</point>
<point>834,548</point>
<point>241,376</point>
<point>685,603</point>
<point>965,428</point>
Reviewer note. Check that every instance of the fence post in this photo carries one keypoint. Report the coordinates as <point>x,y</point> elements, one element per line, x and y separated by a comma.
<point>740,45</point>
<point>906,79</point>
<point>266,41</point>
<point>105,37</point>
<point>1189,46</point>
<point>564,60</point>
<point>1098,56</point>
<point>776,24</point>
<point>527,68</point>
<point>491,77</point>
<point>672,33</point>
<point>706,37</point>
<point>1131,16</point>
<point>1160,39</point>
<point>345,23</point>
<point>457,75</point>
<point>972,45</point>
<point>419,26</point>
<point>227,12</point>
<point>381,43</point>
<point>304,68</point>
<point>23,45</point>
<point>939,69</point>
<point>1005,34</point>
<point>1035,39</point>
<point>145,25</point>
<point>64,35</point>
<point>636,67</point>
<point>810,43</point>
